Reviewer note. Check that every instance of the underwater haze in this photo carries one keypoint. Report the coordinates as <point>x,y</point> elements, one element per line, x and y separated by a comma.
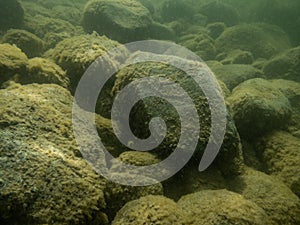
<point>149,112</point>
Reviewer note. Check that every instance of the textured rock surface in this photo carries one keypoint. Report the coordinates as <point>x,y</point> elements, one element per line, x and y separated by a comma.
<point>42,180</point>
<point>11,14</point>
<point>234,74</point>
<point>278,201</point>
<point>262,40</point>
<point>221,207</point>
<point>121,20</point>
<point>281,156</point>
<point>150,108</point>
<point>258,107</point>
<point>26,41</point>
<point>12,61</point>
<point>150,210</point>
<point>286,65</point>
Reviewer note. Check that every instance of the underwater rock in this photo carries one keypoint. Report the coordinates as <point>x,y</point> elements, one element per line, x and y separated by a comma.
<point>173,10</point>
<point>117,195</point>
<point>215,29</point>
<point>190,180</point>
<point>216,11</point>
<point>234,74</point>
<point>201,44</point>
<point>258,107</point>
<point>43,181</point>
<point>281,156</point>
<point>68,13</point>
<point>285,65</point>
<point>77,53</point>
<point>43,71</point>
<point>212,207</point>
<point>29,43</point>
<point>12,61</point>
<point>236,57</point>
<point>42,25</point>
<point>121,20</point>
<point>279,202</point>
<point>229,158</point>
<point>150,210</point>
<point>149,5</point>
<point>11,14</point>
<point>161,32</point>
<point>262,40</point>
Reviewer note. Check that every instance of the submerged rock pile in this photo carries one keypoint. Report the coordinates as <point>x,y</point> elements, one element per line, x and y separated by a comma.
<point>46,47</point>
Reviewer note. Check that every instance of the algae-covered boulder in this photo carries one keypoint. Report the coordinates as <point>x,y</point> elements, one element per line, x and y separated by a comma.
<point>11,14</point>
<point>221,207</point>
<point>262,40</point>
<point>43,71</point>
<point>217,11</point>
<point>234,74</point>
<point>77,53</point>
<point>150,210</point>
<point>281,156</point>
<point>121,20</point>
<point>117,195</point>
<point>28,42</point>
<point>215,29</point>
<point>286,65</point>
<point>42,25</point>
<point>236,56</point>
<point>279,202</point>
<point>228,159</point>
<point>12,61</point>
<point>258,108</point>
<point>172,10</point>
<point>43,182</point>
<point>202,44</point>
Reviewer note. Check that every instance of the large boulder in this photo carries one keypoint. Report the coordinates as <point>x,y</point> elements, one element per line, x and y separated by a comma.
<point>150,210</point>
<point>281,156</point>
<point>258,107</point>
<point>262,40</point>
<point>12,61</point>
<point>217,11</point>
<point>285,65</point>
<point>121,20</point>
<point>42,180</point>
<point>29,43</point>
<point>279,202</point>
<point>221,207</point>
<point>76,54</point>
<point>11,14</point>
<point>229,158</point>
<point>234,74</point>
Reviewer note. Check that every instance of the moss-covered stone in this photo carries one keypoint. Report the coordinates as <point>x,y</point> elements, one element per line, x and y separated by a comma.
<point>286,65</point>
<point>258,107</point>
<point>12,61</point>
<point>121,20</point>
<point>172,10</point>
<point>217,11</point>
<point>29,43</point>
<point>43,181</point>
<point>150,210</point>
<point>77,53</point>
<point>154,107</point>
<point>281,156</point>
<point>234,74</point>
<point>236,57</point>
<point>216,29</point>
<point>278,201</point>
<point>201,44</point>
<point>11,14</point>
<point>43,71</point>
<point>212,207</point>
<point>117,195</point>
<point>262,40</point>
